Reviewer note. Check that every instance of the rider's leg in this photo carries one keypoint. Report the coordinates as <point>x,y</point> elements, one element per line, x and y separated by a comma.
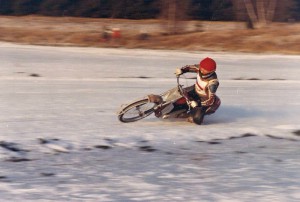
<point>213,108</point>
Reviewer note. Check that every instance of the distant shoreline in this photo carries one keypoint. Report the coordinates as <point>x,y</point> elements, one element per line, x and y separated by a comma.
<point>278,38</point>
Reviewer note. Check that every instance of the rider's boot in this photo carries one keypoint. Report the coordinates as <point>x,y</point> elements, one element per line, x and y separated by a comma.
<point>190,119</point>
<point>197,115</point>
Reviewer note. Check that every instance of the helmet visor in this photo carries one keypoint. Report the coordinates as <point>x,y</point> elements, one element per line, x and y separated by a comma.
<point>204,73</point>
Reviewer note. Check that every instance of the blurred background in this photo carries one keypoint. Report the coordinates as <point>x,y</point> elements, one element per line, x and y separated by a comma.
<point>61,140</point>
<point>220,25</point>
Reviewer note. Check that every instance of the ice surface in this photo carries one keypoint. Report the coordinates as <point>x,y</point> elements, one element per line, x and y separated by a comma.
<point>248,150</point>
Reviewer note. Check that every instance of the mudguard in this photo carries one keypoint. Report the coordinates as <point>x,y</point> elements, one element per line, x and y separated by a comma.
<point>155,98</point>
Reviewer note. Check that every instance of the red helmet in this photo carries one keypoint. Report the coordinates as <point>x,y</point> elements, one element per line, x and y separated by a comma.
<point>208,64</point>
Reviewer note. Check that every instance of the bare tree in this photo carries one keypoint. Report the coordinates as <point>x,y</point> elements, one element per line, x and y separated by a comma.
<point>172,7</point>
<point>260,12</point>
<point>174,11</point>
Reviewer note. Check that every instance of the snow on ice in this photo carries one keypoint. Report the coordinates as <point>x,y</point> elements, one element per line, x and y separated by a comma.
<point>61,140</point>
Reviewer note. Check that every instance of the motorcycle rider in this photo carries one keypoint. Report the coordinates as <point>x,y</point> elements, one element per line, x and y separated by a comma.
<point>203,98</point>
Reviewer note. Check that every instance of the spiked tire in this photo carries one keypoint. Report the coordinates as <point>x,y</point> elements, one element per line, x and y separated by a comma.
<point>136,111</point>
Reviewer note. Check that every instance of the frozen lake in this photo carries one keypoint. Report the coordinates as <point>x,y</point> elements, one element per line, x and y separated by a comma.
<point>61,141</point>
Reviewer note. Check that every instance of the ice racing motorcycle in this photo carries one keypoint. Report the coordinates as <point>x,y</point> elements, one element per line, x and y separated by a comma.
<point>174,103</point>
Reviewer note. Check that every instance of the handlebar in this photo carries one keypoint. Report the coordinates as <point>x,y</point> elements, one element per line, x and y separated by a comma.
<point>183,92</point>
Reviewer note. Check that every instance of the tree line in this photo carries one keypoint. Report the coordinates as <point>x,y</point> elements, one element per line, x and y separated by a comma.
<point>217,10</point>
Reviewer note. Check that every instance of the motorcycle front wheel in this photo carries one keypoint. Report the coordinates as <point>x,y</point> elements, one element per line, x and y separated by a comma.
<point>136,111</point>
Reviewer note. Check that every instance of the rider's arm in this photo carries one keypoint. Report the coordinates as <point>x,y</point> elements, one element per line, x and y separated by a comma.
<point>190,68</point>
<point>212,89</point>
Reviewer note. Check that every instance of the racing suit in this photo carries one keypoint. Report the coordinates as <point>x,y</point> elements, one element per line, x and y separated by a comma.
<point>205,89</point>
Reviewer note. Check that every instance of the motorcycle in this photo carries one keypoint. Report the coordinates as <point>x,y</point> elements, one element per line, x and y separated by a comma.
<point>172,103</point>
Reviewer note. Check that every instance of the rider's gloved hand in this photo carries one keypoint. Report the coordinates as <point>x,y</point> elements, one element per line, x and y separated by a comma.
<point>178,72</point>
<point>193,104</point>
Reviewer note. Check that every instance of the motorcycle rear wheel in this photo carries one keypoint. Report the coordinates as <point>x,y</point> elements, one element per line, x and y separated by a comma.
<point>136,111</point>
